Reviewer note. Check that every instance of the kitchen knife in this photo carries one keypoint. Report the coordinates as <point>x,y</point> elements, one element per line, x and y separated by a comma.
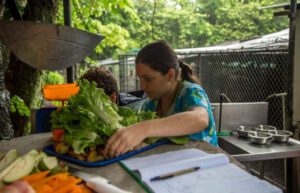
<point>97,183</point>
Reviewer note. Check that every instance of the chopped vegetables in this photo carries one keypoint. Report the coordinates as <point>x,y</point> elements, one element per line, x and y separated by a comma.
<point>35,177</point>
<point>54,178</point>
<point>58,183</point>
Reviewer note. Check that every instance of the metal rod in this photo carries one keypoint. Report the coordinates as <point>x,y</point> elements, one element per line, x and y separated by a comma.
<point>275,6</point>
<point>292,37</point>
<point>283,112</point>
<point>290,85</point>
<point>220,113</point>
<point>67,21</point>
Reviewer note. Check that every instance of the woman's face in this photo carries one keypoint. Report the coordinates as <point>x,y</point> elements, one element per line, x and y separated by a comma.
<point>153,83</point>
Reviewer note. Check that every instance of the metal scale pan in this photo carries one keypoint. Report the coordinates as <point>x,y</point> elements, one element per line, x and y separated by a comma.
<point>47,46</point>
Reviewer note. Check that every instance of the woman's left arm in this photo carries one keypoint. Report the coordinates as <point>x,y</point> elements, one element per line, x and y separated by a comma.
<point>189,122</point>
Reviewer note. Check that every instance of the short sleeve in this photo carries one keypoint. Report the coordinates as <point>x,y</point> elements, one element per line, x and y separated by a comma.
<point>195,97</point>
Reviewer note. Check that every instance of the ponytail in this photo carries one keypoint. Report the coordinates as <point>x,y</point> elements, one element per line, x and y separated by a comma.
<point>187,73</point>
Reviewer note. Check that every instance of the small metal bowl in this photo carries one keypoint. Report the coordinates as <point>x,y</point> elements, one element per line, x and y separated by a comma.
<point>281,136</point>
<point>260,137</point>
<point>243,131</point>
<point>265,128</point>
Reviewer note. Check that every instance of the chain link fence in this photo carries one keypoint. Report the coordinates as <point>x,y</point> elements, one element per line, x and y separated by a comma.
<point>249,76</point>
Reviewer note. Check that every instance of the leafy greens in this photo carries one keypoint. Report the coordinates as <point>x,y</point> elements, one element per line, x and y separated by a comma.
<point>90,118</point>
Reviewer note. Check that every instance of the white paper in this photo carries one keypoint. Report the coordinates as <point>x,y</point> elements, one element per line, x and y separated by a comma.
<point>216,174</point>
<point>204,162</point>
<point>226,179</point>
<point>158,159</point>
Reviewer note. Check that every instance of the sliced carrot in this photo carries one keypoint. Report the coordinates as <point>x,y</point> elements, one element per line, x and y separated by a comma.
<point>70,180</point>
<point>43,188</point>
<point>53,180</point>
<point>77,189</point>
<point>58,183</point>
<point>66,189</point>
<point>35,177</point>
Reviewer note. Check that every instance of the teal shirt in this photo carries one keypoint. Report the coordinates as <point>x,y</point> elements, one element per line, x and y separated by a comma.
<point>190,95</point>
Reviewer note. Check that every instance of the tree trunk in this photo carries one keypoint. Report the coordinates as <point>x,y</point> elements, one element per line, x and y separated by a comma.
<point>21,79</point>
<point>6,130</point>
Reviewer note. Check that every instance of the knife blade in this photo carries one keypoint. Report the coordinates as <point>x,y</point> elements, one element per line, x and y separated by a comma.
<point>96,182</point>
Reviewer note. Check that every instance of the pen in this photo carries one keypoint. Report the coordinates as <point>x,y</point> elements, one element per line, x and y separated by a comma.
<point>173,174</point>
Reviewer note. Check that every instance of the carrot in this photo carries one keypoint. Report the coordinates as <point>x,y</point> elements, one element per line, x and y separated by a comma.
<point>65,189</point>
<point>35,177</point>
<point>58,183</point>
<point>43,188</point>
<point>52,180</point>
<point>70,180</point>
<point>76,189</point>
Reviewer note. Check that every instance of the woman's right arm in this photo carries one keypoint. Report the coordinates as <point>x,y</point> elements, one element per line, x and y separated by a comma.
<point>179,124</point>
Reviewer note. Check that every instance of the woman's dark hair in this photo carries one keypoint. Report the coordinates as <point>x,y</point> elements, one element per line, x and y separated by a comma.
<point>160,57</point>
<point>103,78</point>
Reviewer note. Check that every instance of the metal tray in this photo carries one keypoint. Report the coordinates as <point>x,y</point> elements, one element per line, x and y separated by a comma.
<point>50,150</point>
<point>47,46</point>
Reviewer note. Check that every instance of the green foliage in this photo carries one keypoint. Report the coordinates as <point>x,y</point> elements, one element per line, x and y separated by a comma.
<point>54,77</point>
<point>198,23</point>
<point>240,20</point>
<point>103,17</point>
<point>129,24</point>
<point>17,105</point>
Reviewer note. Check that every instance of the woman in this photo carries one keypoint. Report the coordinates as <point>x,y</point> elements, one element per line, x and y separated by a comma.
<point>181,104</point>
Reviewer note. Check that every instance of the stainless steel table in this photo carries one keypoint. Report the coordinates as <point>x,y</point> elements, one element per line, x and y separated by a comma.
<point>114,172</point>
<point>243,150</point>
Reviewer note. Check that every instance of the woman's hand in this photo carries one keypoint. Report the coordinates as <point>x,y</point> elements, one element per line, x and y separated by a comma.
<point>18,187</point>
<point>124,140</point>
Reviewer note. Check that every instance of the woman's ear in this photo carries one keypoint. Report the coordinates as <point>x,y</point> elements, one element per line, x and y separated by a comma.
<point>171,74</point>
<point>113,97</point>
